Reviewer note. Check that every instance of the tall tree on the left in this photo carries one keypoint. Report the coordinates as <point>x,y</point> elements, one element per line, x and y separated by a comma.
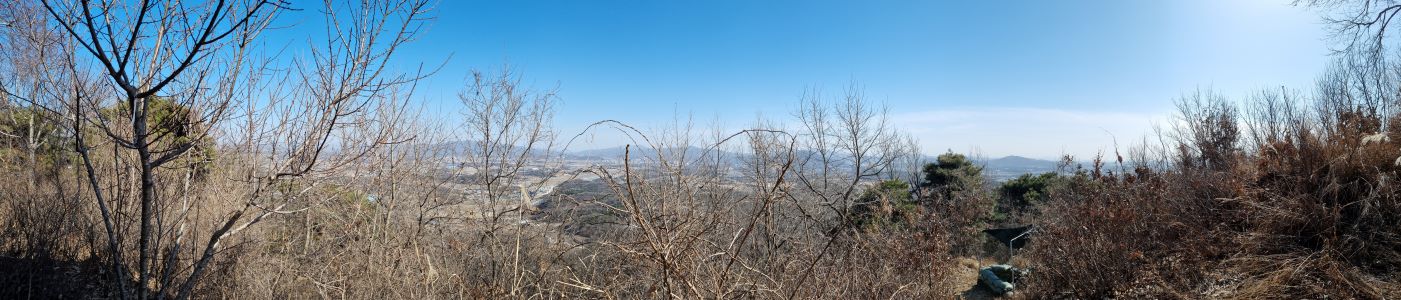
<point>208,57</point>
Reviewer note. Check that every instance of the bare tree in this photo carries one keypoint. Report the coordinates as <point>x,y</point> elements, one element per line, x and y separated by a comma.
<point>508,128</point>
<point>1359,26</point>
<point>1208,131</point>
<point>1271,116</point>
<point>33,81</point>
<point>177,71</point>
<point>846,142</point>
<point>507,135</point>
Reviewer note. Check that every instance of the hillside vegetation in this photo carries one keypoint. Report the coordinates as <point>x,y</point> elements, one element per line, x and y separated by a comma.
<point>163,151</point>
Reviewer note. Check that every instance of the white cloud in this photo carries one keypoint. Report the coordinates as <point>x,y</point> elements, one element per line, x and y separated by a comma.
<point>1032,132</point>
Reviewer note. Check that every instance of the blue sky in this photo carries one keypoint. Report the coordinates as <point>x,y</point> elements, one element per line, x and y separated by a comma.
<point>1031,78</point>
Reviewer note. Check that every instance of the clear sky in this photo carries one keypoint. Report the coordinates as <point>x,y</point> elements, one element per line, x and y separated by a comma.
<point>1030,78</point>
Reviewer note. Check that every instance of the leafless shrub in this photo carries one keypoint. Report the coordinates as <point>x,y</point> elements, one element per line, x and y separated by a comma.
<point>1208,131</point>
<point>1301,217</point>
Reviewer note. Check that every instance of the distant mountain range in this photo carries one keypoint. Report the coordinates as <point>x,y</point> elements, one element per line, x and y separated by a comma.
<point>1008,163</point>
<point>1005,168</point>
<point>998,169</point>
<point>1019,162</point>
<point>691,153</point>
<point>460,148</point>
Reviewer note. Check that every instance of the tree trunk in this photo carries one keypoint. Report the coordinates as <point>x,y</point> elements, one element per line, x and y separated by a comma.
<point>148,193</point>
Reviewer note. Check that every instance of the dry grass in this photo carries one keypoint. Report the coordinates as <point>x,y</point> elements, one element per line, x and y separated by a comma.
<point>1310,214</point>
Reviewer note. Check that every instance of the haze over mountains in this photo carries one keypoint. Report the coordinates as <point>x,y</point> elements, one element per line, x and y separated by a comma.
<point>617,152</point>
<point>997,169</point>
<point>1008,167</point>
